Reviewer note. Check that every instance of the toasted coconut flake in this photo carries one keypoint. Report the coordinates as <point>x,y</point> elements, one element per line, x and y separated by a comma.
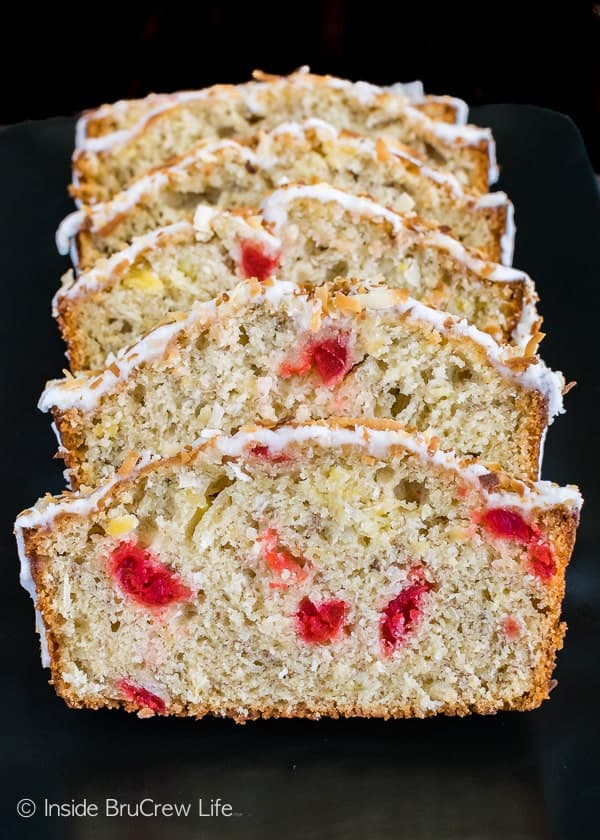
<point>315,318</point>
<point>146,713</point>
<point>382,150</point>
<point>129,464</point>
<point>519,364</point>
<point>433,444</point>
<point>322,295</point>
<point>511,485</point>
<point>261,76</point>
<point>249,428</point>
<point>533,343</point>
<point>347,304</point>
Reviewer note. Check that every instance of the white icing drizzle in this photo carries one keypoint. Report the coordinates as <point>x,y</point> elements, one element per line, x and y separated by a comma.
<point>203,217</point>
<point>461,109</point>
<point>207,151</point>
<point>78,393</point>
<point>275,210</point>
<point>542,447</point>
<point>67,230</point>
<point>81,130</point>
<point>524,328</point>
<point>494,170</point>
<point>538,495</point>
<point>148,185</point>
<point>101,214</point>
<point>107,141</point>
<point>507,240</point>
<point>468,135</point>
<point>96,277</point>
<point>251,93</point>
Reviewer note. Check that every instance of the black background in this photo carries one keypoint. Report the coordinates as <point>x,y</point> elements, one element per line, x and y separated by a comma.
<point>74,56</point>
<point>511,776</point>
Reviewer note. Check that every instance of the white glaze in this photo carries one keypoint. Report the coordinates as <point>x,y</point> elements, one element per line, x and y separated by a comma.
<point>523,331</point>
<point>540,494</point>
<point>101,214</point>
<point>275,210</point>
<point>250,93</point>
<point>461,109</point>
<point>507,240</point>
<point>64,394</point>
<point>67,230</point>
<point>494,169</point>
<point>96,277</point>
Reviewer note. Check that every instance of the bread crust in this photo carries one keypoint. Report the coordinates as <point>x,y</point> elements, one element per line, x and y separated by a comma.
<point>559,522</point>
<point>141,120</point>
<point>69,308</point>
<point>74,425</point>
<point>104,220</point>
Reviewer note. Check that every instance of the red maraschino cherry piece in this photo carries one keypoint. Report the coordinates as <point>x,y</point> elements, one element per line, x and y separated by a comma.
<point>142,697</point>
<point>257,263</point>
<point>263,453</point>
<point>401,615</point>
<point>286,568</point>
<point>506,524</point>
<point>330,356</point>
<point>319,624</point>
<point>144,578</point>
<point>510,525</point>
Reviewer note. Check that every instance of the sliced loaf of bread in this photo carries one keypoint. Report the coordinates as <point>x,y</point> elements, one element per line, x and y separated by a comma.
<point>305,234</point>
<point>118,143</point>
<point>270,352</point>
<point>318,570</point>
<point>229,174</point>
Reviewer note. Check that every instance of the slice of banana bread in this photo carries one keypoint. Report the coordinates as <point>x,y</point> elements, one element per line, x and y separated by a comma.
<point>228,174</point>
<point>318,570</point>
<point>270,352</point>
<point>117,144</point>
<point>126,113</point>
<point>305,234</point>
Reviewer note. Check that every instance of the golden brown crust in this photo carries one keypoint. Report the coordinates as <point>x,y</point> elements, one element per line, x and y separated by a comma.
<point>188,454</point>
<point>559,522</point>
<point>511,296</point>
<point>103,119</point>
<point>90,245</point>
<point>89,167</point>
<point>532,409</point>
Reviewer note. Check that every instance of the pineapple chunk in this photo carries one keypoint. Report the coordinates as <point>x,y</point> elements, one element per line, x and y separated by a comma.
<point>144,279</point>
<point>121,525</point>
